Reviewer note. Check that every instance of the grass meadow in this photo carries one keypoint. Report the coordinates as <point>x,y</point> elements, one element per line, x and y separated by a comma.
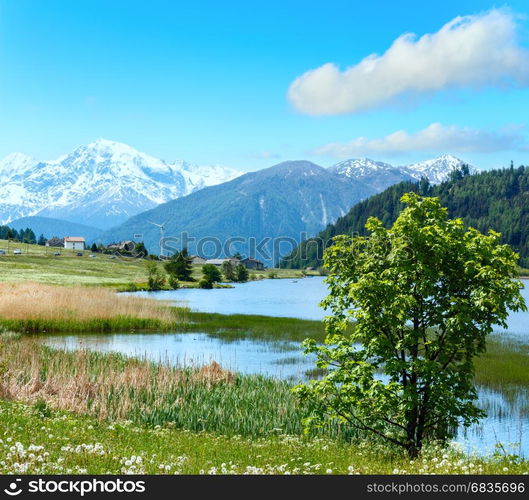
<point>39,264</point>
<point>80,412</point>
<point>38,440</point>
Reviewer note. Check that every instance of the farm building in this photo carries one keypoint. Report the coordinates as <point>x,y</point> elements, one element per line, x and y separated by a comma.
<point>196,259</point>
<point>55,242</point>
<point>74,242</point>
<point>250,263</point>
<point>126,246</point>
<point>219,262</point>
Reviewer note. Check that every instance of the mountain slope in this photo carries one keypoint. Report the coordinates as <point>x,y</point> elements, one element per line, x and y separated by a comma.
<point>55,227</point>
<point>287,200</point>
<point>101,184</point>
<point>496,199</point>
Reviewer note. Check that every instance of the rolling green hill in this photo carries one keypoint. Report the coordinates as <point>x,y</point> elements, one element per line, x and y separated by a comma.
<point>496,199</point>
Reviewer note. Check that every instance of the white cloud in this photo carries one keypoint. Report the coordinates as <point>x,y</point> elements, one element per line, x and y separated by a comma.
<point>470,51</point>
<point>434,138</point>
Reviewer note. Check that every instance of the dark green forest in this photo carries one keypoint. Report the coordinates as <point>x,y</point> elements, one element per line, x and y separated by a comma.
<point>495,199</point>
<point>23,235</point>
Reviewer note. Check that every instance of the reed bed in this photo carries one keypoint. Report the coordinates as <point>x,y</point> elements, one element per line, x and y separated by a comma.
<point>37,307</point>
<point>114,387</point>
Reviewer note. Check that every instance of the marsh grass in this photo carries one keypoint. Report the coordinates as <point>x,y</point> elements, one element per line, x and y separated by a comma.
<point>505,363</point>
<point>114,387</point>
<point>240,326</point>
<point>36,307</point>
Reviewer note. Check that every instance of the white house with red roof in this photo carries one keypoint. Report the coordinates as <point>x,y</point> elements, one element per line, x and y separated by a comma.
<point>74,242</point>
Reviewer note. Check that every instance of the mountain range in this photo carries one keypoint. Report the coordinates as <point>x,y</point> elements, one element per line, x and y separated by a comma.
<point>290,200</point>
<point>493,199</point>
<point>112,187</point>
<point>381,175</point>
<point>101,184</point>
<point>286,202</point>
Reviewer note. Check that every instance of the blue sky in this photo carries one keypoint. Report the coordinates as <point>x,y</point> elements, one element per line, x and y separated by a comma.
<point>209,81</point>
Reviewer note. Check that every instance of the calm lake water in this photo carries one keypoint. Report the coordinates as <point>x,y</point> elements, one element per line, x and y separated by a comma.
<point>280,297</point>
<point>285,298</point>
<point>508,420</point>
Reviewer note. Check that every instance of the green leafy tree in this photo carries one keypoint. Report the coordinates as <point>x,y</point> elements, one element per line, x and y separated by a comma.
<point>155,277</point>
<point>180,266</point>
<point>93,248</point>
<point>228,270</point>
<point>242,274</point>
<point>423,296</point>
<point>211,273</point>
<point>42,240</point>
<point>140,250</point>
<point>173,282</point>
<point>204,283</point>
<point>27,236</point>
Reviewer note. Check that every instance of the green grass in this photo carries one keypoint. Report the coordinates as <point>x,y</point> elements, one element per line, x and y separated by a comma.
<point>261,327</point>
<point>504,363</point>
<point>37,263</point>
<point>153,393</point>
<point>36,440</point>
<point>124,324</point>
<point>233,326</point>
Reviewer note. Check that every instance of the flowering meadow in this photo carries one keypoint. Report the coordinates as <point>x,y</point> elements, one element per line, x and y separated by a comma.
<point>37,440</point>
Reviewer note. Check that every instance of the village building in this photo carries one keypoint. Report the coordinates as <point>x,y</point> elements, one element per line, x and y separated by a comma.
<point>55,242</point>
<point>122,246</point>
<point>250,263</point>
<point>219,262</point>
<point>74,243</point>
<point>197,259</point>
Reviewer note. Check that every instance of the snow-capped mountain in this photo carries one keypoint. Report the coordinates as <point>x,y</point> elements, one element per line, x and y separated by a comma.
<point>381,175</point>
<point>437,170</point>
<point>101,184</point>
<point>376,174</point>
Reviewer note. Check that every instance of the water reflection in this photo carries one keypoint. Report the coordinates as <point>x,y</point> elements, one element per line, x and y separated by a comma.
<point>508,413</point>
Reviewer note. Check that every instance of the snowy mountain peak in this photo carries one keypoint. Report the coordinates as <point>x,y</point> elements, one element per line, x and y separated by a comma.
<point>364,169</point>
<point>100,184</point>
<point>437,170</point>
<point>375,173</point>
<point>357,167</point>
<point>16,163</point>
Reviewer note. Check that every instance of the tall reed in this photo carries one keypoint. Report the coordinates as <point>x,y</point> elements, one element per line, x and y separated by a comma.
<point>111,386</point>
<point>35,306</point>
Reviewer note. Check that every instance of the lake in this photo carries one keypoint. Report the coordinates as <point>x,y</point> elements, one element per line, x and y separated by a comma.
<point>286,298</point>
<point>507,422</point>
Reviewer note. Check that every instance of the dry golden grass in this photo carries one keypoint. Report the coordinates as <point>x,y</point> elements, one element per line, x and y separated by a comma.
<point>37,301</point>
<point>105,386</point>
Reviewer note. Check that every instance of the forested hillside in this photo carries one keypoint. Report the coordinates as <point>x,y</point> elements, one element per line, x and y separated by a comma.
<point>496,199</point>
